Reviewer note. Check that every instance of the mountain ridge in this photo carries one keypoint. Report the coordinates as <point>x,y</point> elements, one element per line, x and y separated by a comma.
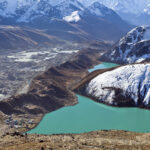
<point>134,47</point>
<point>69,20</point>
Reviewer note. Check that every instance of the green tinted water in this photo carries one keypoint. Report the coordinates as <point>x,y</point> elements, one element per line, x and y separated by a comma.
<point>90,116</point>
<point>102,66</point>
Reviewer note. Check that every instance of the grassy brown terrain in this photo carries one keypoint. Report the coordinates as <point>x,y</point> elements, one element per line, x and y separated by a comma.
<point>100,140</point>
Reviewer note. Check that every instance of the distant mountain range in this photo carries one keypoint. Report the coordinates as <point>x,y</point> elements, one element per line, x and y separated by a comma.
<point>70,20</point>
<point>136,12</point>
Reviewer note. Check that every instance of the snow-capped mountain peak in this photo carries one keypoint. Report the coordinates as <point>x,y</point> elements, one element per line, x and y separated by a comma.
<point>134,47</point>
<point>67,7</point>
<point>135,35</point>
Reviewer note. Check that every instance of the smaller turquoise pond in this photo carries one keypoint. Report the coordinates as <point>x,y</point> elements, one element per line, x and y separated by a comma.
<point>103,66</point>
<point>90,116</point>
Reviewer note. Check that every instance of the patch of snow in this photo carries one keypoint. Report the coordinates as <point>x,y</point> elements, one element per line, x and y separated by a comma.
<point>25,56</point>
<point>2,96</point>
<point>69,51</point>
<point>74,17</point>
<point>50,57</point>
<point>56,51</point>
<point>142,58</point>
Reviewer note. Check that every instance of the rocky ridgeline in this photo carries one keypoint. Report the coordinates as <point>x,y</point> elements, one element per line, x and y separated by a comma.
<point>132,48</point>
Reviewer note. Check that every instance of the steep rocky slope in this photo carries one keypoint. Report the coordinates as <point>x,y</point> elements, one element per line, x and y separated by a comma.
<point>135,12</point>
<point>134,47</point>
<point>122,86</point>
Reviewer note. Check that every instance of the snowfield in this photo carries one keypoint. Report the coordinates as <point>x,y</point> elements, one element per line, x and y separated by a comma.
<point>74,17</point>
<point>132,80</point>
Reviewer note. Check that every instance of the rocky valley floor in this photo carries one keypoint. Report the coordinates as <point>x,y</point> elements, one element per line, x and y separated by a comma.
<point>19,67</point>
<point>45,93</point>
<point>100,140</point>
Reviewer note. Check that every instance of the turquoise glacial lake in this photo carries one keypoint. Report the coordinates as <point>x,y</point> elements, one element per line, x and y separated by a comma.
<point>88,116</point>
